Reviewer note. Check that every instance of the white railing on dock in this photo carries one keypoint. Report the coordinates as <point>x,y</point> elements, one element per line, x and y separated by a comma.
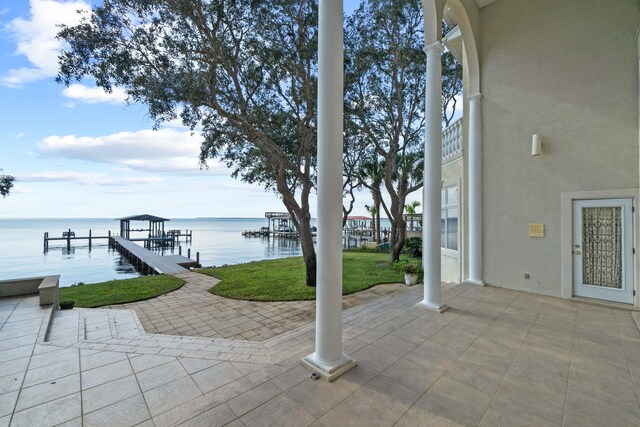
<point>452,140</point>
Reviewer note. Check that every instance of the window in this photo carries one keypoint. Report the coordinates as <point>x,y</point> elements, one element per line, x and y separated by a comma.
<point>449,218</point>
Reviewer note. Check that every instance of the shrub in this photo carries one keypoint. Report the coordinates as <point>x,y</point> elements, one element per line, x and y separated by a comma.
<point>409,267</point>
<point>412,268</point>
<point>413,247</point>
<point>399,265</point>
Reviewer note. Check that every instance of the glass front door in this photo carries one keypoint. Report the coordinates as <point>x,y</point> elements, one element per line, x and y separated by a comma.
<point>603,249</point>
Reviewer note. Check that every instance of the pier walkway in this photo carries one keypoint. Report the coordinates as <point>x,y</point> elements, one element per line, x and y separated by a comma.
<point>146,259</point>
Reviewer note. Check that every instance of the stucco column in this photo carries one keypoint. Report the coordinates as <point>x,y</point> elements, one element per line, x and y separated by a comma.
<point>475,190</point>
<point>328,359</point>
<point>432,180</point>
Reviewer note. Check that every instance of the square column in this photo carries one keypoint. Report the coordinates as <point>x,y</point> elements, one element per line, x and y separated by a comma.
<point>431,190</point>
<point>328,359</point>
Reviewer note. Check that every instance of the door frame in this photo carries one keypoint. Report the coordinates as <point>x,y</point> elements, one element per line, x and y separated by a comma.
<point>595,290</point>
<point>566,253</point>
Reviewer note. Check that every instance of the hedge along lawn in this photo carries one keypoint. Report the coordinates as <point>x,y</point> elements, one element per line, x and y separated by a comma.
<point>120,291</point>
<point>284,279</point>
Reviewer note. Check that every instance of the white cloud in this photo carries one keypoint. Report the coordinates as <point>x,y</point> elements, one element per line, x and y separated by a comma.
<point>18,135</point>
<point>86,178</point>
<point>94,95</point>
<point>20,189</point>
<point>35,38</point>
<point>164,150</point>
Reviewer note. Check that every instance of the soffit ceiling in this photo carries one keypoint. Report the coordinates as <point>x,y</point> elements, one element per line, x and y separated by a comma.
<point>449,17</point>
<point>483,3</point>
<point>453,41</point>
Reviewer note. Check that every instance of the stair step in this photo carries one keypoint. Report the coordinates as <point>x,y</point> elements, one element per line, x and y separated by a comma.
<point>65,327</point>
<point>96,323</point>
<point>125,324</point>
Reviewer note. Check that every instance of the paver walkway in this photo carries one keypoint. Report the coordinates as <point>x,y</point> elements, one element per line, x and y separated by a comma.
<point>193,311</point>
<point>495,358</point>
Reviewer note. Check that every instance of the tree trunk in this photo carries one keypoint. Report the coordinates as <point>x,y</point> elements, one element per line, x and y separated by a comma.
<point>302,220</point>
<point>373,226</point>
<point>308,251</point>
<point>392,241</point>
<point>400,234</point>
<point>375,195</point>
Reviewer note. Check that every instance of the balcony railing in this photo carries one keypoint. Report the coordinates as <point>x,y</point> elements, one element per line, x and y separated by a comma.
<point>452,140</point>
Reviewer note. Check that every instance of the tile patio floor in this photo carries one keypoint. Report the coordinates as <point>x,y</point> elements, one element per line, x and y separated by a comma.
<point>496,358</point>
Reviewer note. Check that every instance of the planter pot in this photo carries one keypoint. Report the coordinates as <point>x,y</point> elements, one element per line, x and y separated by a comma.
<point>67,305</point>
<point>410,279</point>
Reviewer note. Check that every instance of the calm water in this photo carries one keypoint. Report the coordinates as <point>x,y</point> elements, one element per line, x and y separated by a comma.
<point>219,241</point>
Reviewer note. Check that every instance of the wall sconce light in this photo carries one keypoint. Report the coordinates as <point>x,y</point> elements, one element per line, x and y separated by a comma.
<point>536,145</point>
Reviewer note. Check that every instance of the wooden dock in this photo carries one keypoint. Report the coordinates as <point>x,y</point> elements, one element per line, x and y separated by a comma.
<point>68,236</point>
<point>176,234</point>
<point>148,262</point>
<point>264,231</point>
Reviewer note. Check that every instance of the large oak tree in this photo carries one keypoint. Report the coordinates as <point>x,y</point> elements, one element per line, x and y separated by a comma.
<point>385,83</point>
<point>385,97</point>
<point>243,73</point>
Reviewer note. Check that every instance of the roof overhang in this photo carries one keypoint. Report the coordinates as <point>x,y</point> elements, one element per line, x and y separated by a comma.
<point>453,42</point>
<point>145,217</point>
<point>483,3</point>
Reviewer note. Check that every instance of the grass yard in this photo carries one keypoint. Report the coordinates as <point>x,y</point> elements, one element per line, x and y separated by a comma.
<point>283,279</point>
<point>120,291</point>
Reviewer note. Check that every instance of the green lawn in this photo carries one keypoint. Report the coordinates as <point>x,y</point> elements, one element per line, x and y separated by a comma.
<point>120,291</point>
<point>283,279</point>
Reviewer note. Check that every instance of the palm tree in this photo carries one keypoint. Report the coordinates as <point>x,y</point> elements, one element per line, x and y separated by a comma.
<point>371,177</point>
<point>410,209</point>
<point>372,211</point>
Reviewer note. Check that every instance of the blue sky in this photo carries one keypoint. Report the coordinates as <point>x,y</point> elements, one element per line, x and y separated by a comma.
<point>78,152</point>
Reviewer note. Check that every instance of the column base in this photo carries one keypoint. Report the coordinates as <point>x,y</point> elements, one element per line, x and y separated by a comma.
<point>474,282</point>
<point>329,371</point>
<point>433,307</point>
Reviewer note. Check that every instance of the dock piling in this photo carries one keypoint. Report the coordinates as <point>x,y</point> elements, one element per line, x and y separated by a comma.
<point>189,253</point>
<point>143,260</point>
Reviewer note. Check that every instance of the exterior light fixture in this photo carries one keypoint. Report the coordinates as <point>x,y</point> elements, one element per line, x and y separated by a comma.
<point>536,145</point>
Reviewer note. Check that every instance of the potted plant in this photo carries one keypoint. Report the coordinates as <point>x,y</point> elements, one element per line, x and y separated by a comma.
<point>67,305</point>
<point>412,272</point>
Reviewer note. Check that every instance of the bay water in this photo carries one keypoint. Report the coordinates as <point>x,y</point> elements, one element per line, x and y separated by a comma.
<point>218,240</point>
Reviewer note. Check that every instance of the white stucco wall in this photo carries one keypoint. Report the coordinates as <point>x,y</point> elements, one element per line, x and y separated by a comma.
<point>567,70</point>
<point>451,271</point>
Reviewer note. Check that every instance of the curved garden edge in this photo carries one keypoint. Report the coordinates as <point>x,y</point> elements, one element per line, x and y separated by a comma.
<point>268,281</point>
<point>120,291</point>
<point>284,279</point>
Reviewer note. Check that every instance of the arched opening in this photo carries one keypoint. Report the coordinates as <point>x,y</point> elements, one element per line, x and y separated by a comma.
<point>452,195</point>
<point>468,174</point>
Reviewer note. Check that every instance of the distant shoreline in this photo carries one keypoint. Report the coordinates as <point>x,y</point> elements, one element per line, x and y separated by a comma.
<point>110,218</point>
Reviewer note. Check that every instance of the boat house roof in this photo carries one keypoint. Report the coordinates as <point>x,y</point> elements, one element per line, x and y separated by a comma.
<point>145,217</point>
